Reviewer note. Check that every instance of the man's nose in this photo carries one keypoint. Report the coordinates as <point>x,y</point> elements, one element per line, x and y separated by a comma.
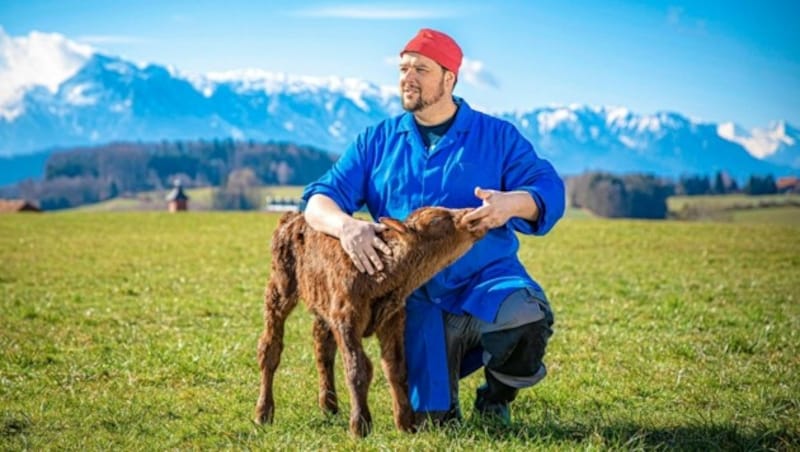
<point>408,76</point>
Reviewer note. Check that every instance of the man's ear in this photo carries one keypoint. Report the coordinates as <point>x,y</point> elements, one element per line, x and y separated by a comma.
<point>452,76</point>
<point>394,224</point>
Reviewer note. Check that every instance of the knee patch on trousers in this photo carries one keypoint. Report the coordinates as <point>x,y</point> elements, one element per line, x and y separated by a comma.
<point>519,308</point>
<point>517,351</point>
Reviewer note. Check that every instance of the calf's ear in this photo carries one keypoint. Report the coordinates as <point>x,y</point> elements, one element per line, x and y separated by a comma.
<point>394,224</point>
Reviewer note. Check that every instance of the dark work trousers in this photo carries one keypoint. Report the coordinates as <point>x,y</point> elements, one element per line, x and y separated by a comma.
<point>514,346</point>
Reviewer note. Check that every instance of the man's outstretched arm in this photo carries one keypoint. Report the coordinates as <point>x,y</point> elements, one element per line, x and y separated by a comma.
<point>358,237</point>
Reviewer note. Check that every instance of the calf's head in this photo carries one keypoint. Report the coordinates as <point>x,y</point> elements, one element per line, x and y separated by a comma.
<point>432,225</point>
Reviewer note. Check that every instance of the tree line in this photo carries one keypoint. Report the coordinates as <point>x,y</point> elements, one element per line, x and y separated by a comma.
<point>615,196</point>
<point>91,174</point>
<point>645,196</point>
<point>723,184</point>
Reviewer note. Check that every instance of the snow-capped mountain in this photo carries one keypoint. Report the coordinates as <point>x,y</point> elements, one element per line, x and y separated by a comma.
<point>111,99</point>
<point>779,143</point>
<point>102,98</point>
<point>579,138</point>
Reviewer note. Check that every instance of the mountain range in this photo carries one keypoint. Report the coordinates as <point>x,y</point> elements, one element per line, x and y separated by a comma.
<point>107,98</point>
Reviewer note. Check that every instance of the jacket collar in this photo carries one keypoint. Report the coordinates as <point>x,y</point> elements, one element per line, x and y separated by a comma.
<point>461,124</point>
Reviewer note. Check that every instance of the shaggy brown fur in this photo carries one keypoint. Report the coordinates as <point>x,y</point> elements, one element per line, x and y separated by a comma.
<point>349,305</point>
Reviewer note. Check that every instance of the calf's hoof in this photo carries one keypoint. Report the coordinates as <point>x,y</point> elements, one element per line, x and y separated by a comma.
<point>360,427</point>
<point>405,422</point>
<point>264,415</point>
<point>328,403</point>
<point>408,428</point>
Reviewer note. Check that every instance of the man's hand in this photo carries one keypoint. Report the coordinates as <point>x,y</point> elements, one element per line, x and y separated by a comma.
<point>359,240</point>
<point>498,207</point>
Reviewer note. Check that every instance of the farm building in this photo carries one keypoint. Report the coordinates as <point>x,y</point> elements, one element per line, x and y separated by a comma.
<point>276,204</point>
<point>17,205</point>
<point>177,199</point>
<point>788,184</point>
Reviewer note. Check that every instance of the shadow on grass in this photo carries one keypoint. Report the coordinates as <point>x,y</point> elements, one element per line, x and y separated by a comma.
<point>700,438</point>
<point>13,426</point>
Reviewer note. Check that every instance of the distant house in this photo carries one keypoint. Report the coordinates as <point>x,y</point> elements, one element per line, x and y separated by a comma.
<point>788,184</point>
<point>274,204</point>
<point>177,200</point>
<point>17,205</point>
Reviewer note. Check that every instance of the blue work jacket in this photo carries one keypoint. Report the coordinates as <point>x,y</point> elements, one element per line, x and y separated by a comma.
<point>389,170</point>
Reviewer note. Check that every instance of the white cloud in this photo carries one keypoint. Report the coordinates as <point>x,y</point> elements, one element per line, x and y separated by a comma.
<point>674,14</point>
<point>393,60</point>
<point>682,23</point>
<point>110,39</point>
<point>474,73</point>
<point>44,59</point>
<point>373,12</point>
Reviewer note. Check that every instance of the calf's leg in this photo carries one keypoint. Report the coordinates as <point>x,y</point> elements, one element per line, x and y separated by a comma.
<point>393,362</point>
<point>325,351</point>
<point>278,303</point>
<point>358,370</point>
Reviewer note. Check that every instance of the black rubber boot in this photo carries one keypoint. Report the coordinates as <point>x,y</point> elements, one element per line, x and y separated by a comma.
<point>493,398</point>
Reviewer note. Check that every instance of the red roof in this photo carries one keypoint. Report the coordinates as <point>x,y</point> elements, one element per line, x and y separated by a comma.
<point>787,182</point>
<point>17,205</point>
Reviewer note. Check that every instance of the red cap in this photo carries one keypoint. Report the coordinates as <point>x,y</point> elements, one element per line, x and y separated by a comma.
<point>437,46</point>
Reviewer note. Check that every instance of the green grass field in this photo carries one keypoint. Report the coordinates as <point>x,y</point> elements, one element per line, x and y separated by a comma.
<point>738,208</point>
<point>138,331</point>
<point>733,201</point>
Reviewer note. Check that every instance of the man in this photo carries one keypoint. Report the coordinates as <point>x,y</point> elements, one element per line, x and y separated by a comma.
<point>483,310</point>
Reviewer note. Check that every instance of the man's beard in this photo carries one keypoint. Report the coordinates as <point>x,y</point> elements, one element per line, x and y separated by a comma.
<point>421,102</point>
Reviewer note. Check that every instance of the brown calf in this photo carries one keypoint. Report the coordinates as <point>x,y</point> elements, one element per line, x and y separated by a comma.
<point>349,305</point>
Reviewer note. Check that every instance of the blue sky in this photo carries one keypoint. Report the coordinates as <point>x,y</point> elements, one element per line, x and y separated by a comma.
<point>717,61</point>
